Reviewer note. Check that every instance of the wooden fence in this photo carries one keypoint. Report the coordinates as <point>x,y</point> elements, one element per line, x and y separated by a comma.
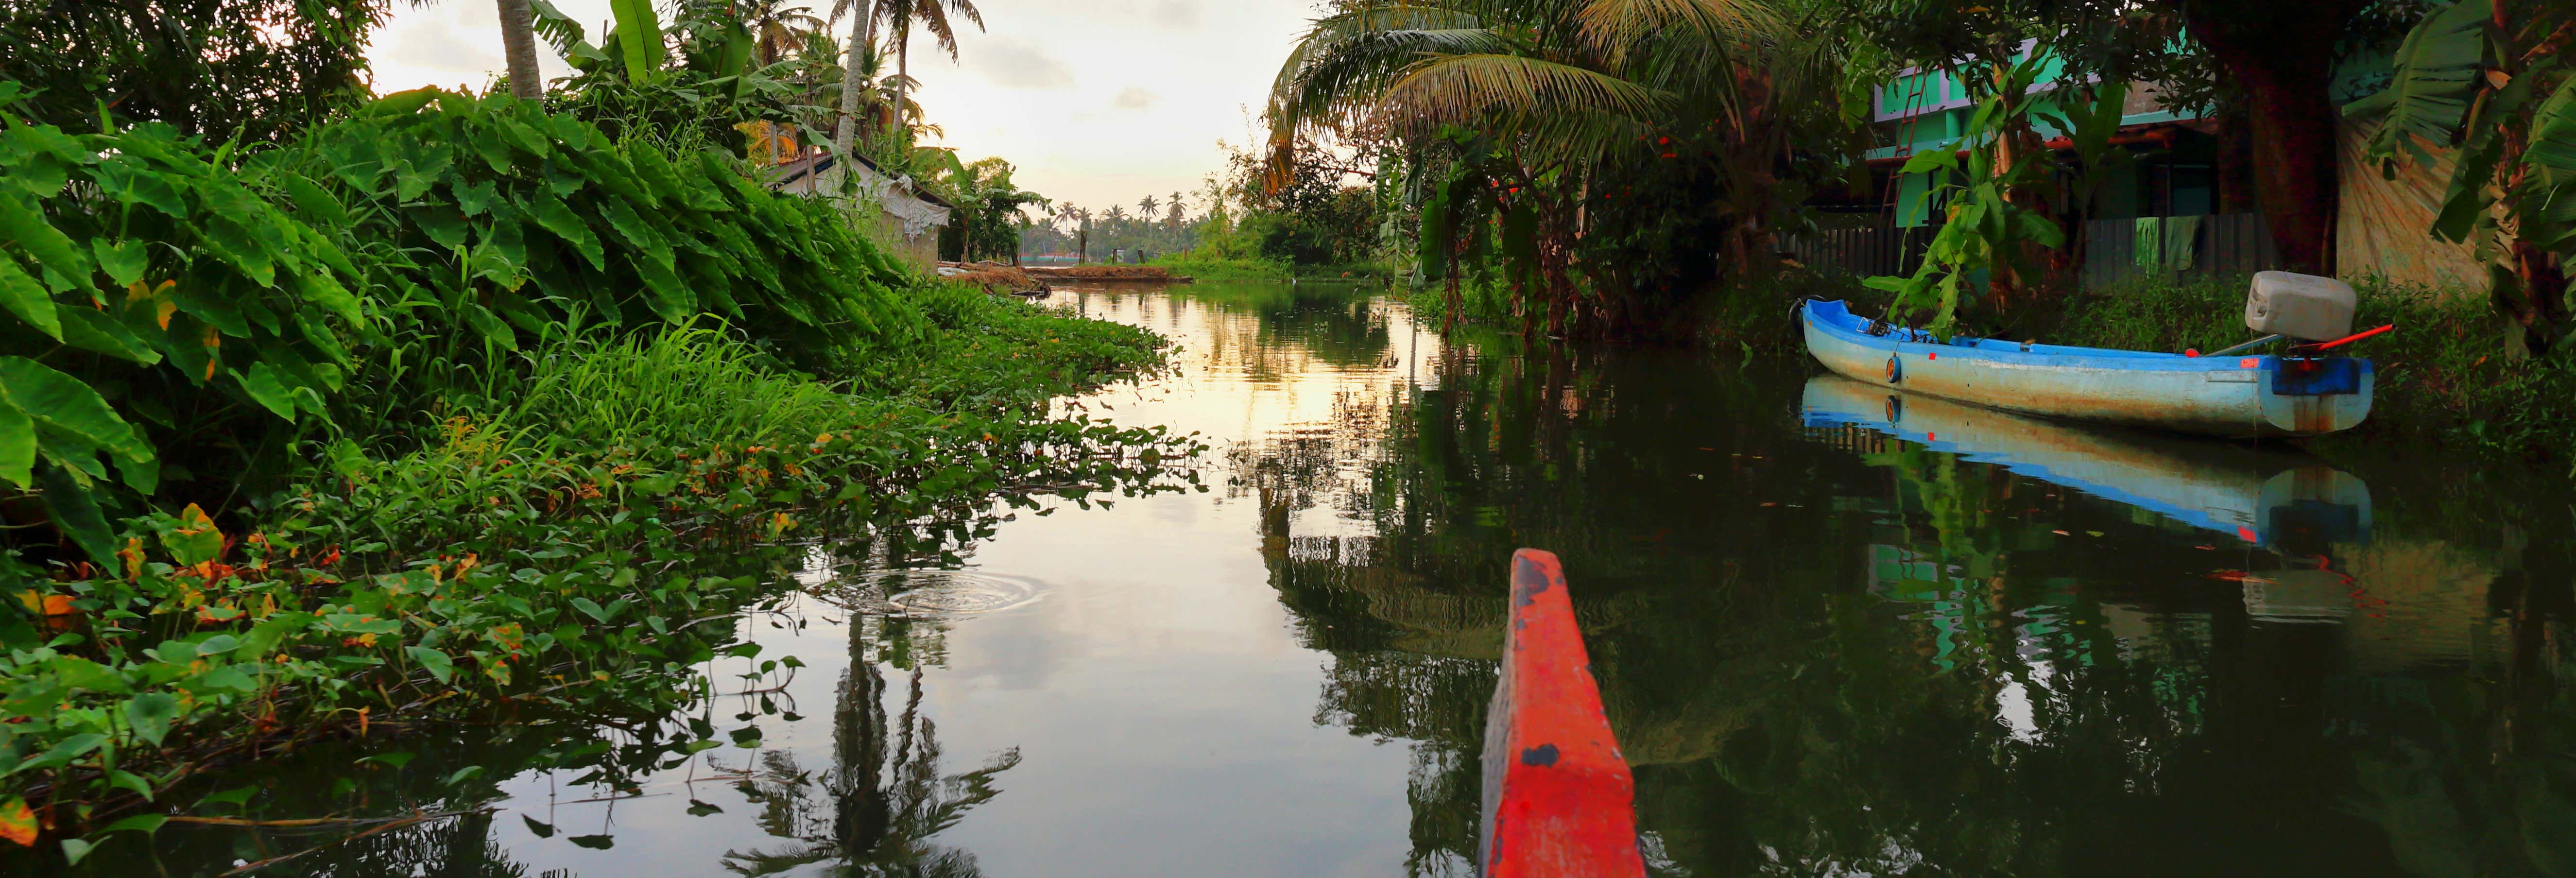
<point>2182,249</point>
<point>1862,252</point>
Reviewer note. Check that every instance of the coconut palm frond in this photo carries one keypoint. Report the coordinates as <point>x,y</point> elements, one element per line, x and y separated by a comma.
<point>1616,29</point>
<point>1464,89</point>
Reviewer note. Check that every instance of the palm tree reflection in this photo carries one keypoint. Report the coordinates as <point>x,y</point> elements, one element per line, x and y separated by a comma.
<point>876,809</point>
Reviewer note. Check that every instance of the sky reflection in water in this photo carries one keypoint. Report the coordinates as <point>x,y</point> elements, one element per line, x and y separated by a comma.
<point>1837,635</point>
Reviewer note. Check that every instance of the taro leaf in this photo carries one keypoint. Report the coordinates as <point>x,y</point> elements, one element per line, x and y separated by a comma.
<point>75,849</point>
<point>264,388</point>
<point>24,296</point>
<point>218,645</point>
<point>554,216</point>
<point>670,297</point>
<point>472,198</point>
<point>542,830</point>
<point>150,715</point>
<point>17,447</point>
<point>442,223</point>
<point>316,203</point>
<point>17,821</point>
<point>92,330</point>
<point>462,775</point>
<point>701,809</point>
<point>22,221</point>
<point>320,288</point>
<point>64,403</point>
<point>746,737</point>
<point>74,511</point>
<point>593,842</point>
<point>490,325</point>
<point>437,662</point>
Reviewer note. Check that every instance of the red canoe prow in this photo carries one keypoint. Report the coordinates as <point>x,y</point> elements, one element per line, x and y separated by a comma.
<point>1559,801</point>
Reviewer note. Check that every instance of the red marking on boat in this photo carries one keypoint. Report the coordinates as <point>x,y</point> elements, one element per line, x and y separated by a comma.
<point>2250,363</point>
<point>1559,800</point>
<point>2247,534</point>
<point>1931,356</point>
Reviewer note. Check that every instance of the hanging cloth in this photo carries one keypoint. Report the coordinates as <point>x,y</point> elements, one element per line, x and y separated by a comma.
<point>2181,234</point>
<point>2150,240</point>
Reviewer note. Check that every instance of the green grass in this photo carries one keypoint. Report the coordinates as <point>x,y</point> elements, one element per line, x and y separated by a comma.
<point>1209,266</point>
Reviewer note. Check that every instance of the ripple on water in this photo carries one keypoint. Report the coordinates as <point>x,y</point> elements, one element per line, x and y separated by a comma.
<point>937,593</point>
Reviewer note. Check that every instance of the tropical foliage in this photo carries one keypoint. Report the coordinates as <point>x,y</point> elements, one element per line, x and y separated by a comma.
<point>2494,77</point>
<point>254,69</point>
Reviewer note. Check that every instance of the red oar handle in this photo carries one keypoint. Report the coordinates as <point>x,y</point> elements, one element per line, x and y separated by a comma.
<point>2319,346</point>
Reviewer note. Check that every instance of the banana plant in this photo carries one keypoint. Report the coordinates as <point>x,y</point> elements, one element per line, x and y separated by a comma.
<point>1986,225</point>
<point>2491,78</point>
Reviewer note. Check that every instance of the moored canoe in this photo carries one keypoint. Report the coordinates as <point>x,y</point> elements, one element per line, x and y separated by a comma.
<point>2233,396</point>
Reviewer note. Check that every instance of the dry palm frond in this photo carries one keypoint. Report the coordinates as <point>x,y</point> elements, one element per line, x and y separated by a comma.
<point>1616,29</point>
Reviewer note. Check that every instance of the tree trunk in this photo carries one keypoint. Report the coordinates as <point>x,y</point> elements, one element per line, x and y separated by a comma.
<point>862,38</point>
<point>902,70</point>
<point>519,45</point>
<point>2282,57</point>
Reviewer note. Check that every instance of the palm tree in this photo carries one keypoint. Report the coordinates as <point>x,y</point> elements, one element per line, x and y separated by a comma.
<point>779,28</point>
<point>1557,88</point>
<point>931,15</point>
<point>1147,206</point>
<point>862,67</point>
<point>519,46</point>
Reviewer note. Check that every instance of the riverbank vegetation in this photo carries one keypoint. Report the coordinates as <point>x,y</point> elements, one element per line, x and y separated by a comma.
<point>410,406</point>
<point>1634,170</point>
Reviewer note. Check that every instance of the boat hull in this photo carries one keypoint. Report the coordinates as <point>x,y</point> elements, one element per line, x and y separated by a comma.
<point>2234,397</point>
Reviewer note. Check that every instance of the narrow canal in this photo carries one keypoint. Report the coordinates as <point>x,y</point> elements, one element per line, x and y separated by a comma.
<point>1837,635</point>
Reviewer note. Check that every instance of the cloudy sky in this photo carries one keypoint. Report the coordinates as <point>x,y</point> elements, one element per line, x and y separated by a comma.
<point>1096,101</point>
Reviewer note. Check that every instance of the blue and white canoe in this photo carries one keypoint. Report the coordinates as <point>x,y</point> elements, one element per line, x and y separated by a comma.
<point>2232,396</point>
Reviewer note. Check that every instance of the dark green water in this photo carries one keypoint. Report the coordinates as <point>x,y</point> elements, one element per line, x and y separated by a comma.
<point>1957,644</point>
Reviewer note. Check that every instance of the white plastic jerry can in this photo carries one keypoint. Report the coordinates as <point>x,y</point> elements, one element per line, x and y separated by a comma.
<point>2301,306</point>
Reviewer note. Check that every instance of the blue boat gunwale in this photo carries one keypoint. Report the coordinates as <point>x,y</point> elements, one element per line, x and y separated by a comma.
<point>1836,319</point>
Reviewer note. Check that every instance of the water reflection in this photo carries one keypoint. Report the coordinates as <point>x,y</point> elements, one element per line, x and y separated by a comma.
<point>1833,642</point>
<point>1869,639</point>
<point>2261,494</point>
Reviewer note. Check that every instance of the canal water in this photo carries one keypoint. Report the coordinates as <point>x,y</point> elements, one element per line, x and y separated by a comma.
<point>1838,634</point>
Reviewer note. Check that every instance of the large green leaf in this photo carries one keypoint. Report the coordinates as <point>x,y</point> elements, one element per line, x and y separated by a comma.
<point>23,296</point>
<point>2436,75</point>
<point>17,447</point>
<point>554,216</point>
<point>2553,131</point>
<point>92,330</point>
<point>75,512</point>
<point>22,223</point>
<point>639,38</point>
<point>64,403</point>
<point>150,715</point>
